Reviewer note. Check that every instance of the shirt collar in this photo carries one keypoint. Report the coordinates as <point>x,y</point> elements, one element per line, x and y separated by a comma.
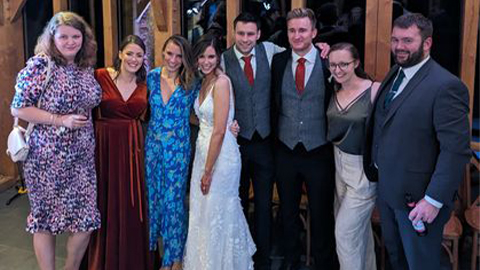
<point>411,71</point>
<point>310,56</point>
<point>239,55</point>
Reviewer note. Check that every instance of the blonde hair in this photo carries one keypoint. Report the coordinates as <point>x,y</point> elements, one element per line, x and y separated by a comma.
<point>302,13</point>
<point>86,56</point>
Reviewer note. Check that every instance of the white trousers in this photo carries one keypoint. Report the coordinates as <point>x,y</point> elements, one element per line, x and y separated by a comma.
<point>354,202</point>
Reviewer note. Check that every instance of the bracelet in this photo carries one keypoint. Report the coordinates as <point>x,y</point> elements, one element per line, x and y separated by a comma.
<point>208,172</point>
<point>56,120</point>
<point>59,117</point>
<point>51,119</point>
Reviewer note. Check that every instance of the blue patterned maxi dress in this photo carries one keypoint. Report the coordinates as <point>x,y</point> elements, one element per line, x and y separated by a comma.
<point>167,156</point>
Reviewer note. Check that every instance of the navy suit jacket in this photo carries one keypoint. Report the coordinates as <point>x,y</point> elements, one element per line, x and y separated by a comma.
<point>424,141</point>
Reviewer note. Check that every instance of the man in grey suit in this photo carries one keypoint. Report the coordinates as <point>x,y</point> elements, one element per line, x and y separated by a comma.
<point>417,146</point>
<point>303,154</point>
<point>247,63</point>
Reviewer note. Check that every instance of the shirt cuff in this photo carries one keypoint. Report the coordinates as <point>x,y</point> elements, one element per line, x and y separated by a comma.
<point>433,202</point>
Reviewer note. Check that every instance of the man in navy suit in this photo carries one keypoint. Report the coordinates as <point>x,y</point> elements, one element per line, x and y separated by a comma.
<point>417,145</point>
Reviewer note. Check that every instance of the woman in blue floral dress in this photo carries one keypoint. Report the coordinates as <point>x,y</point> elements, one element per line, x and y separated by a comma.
<point>60,167</point>
<point>167,148</point>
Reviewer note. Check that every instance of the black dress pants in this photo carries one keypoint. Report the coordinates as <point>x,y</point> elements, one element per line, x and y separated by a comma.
<point>258,169</point>
<point>316,167</point>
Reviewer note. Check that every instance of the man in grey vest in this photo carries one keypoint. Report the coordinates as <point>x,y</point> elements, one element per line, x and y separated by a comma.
<point>417,146</point>
<point>248,66</point>
<point>303,155</point>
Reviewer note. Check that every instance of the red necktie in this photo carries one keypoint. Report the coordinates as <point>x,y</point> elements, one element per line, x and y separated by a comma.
<point>300,75</point>
<point>248,69</point>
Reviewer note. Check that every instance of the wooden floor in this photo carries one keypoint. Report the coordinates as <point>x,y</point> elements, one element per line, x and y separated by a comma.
<point>16,251</point>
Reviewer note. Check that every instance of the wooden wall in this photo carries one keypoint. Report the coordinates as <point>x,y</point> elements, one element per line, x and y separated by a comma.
<point>11,61</point>
<point>167,19</point>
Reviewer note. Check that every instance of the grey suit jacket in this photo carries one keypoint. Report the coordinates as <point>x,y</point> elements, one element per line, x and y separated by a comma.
<point>424,140</point>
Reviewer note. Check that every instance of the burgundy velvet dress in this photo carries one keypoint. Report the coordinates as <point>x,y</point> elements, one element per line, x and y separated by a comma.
<point>122,241</point>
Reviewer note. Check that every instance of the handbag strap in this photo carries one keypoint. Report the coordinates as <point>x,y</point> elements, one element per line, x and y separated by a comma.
<point>44,87</point>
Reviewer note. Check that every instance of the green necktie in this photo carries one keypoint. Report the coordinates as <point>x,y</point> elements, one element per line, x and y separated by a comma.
<point>396,84</point>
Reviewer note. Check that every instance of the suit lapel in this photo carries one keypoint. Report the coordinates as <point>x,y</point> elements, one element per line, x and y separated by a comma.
<point>412,84</point>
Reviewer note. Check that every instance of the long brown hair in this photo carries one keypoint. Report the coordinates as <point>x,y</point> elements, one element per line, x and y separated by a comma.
<point>86,56</point>
<point>186,73</point>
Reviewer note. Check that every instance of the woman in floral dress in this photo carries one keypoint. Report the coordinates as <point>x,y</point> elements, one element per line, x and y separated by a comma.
<point>167,149</point>
<point>60,168</point>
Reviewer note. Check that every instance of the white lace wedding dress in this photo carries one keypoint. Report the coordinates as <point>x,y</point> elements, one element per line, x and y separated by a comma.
<point>218,234</point>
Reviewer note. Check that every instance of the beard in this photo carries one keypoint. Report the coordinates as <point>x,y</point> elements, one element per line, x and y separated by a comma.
<point>413,58</point>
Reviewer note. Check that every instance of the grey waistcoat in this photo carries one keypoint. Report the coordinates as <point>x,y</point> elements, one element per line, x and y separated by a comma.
<point>252,104</point>
<point>302,118</point>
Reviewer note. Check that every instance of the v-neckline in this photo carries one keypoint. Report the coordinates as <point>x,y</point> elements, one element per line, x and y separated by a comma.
<point>206,96</point>
<point>173,92</point>
<point>118,90</point>
<point>349,105</point>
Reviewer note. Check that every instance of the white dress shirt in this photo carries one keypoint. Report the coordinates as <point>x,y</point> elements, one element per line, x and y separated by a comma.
<point>270,49</point>
<point>310,58</point>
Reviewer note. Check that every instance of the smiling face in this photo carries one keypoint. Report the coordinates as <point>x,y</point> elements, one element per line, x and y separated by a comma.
<point>68,42</point>
<point>246,36</point>
<point>172,56</point>
<point>208,60</point>
<point>300,35</point>
<point>407,46</point>
<point>131,57</point>
<point>342,65</point>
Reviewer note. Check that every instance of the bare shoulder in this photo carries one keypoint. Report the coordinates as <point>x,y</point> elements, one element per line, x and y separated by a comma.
<point>375,87</point>
<point>374,91</point>
<point>222,81</point>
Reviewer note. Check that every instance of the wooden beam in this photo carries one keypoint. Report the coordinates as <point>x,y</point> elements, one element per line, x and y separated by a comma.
<point>371,24</point>
<point>60,5</point>
<point>110,30</point>
<point>233,9</point>
<point>299,4</point>
<point>382,66</point>
<point>12,59</point>
<point>469,47</point>
<point>2,13</point>
<point>173,27</point>
<point>159,8</point>
<point>14,8</point>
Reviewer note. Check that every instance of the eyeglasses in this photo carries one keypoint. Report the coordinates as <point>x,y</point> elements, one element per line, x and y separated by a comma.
<point>341,65</point>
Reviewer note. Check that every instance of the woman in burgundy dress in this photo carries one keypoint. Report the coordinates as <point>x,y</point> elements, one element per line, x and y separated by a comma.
<point>122,241</point>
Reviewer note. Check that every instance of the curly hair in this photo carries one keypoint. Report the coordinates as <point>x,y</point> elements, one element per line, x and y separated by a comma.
<point>186,73</point>
<point>86,56</point>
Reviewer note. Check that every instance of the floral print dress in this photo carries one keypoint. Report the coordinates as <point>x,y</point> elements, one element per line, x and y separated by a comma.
<point>167,156</point>
<point>60,167</point>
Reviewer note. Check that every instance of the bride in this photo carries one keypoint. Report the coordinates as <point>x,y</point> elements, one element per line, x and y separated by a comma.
<point>218,236</point>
